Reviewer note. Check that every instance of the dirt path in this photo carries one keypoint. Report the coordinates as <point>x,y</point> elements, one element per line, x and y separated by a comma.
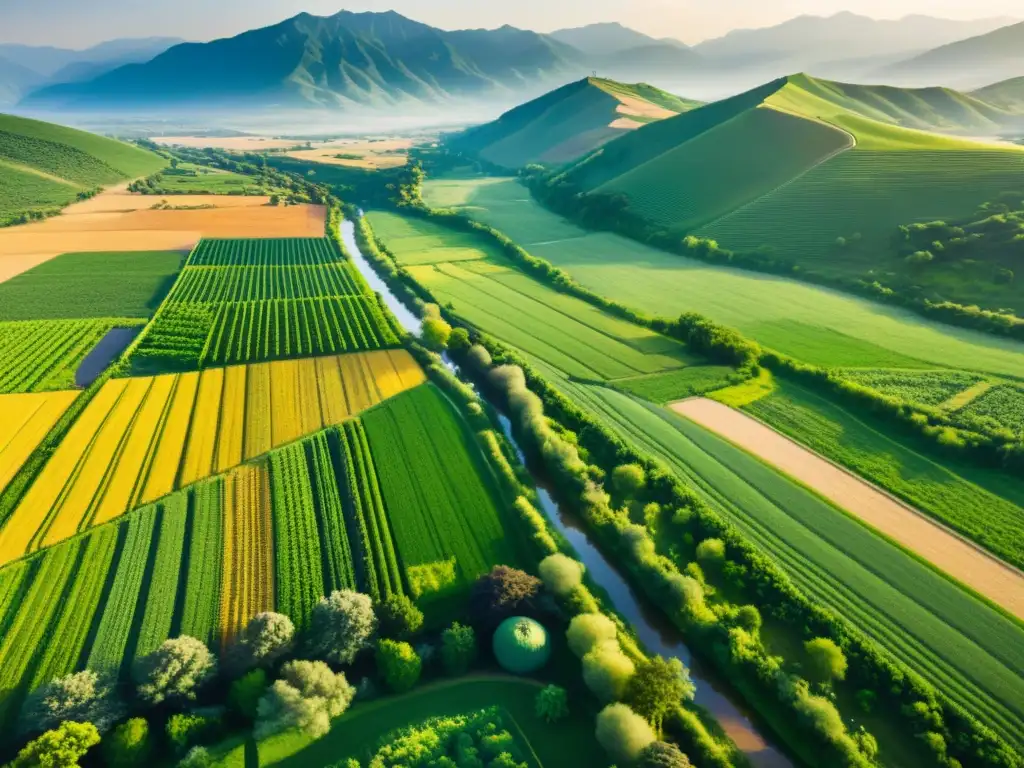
<point>987,575</point>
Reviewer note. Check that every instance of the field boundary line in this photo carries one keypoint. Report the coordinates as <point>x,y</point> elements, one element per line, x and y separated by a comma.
<point>1008,567</point>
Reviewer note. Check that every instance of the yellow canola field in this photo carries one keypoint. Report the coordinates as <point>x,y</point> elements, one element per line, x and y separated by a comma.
<point>141,438</point>
<point>25,419</point>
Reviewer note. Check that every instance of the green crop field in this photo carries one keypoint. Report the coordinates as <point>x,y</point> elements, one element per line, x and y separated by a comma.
<point>986,505</point>
<point>36,356</point>
<point>441,502</point>
<point>361,730</point>
<point>722,169</point>
<point>415,241</point>
<point>500,300</point>
<point>200,616</point>
<point>45,166</point>
<point>665,387</point>
<point>813,324</point>
<point>923,387</point>
<point>1003,404</point>
<point>245,301</point>
<point>190,179</point>
<point>967,649</point>
<point>80,285</point>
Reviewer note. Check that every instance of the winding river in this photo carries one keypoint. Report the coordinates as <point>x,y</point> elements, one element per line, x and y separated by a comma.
<point>652,627</point>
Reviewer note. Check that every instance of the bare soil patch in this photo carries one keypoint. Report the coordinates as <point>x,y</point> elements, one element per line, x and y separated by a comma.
<point>962,560</point>
<point>640,108</point>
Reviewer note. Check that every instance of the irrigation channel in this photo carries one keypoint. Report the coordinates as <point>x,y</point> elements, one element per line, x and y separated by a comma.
<point>652,627</point>
<point>113,343</point>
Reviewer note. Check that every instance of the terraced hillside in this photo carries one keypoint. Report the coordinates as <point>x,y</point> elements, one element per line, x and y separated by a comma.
<point>569,122</point>
<point>45,166</point>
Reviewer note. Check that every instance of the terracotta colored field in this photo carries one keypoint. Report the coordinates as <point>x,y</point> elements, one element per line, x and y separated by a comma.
<point>141,438</point>
<point>248,586</point>
<point>977,569</point>
<point>115,221</point>
<point>24,421</point>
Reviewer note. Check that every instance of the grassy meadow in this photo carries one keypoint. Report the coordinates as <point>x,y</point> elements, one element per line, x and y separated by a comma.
<point>813,324</point>
<point>972,651</point>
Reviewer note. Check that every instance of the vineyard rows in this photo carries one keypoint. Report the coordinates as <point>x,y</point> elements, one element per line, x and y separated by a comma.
<point>141,438</point>
<point>207,285</point>
<point>276,533</point>
<point>38,355</point>
<point>264,252</point>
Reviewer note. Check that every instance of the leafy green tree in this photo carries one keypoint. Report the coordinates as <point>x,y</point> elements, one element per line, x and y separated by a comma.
<point>502,593</point>
<point>174,672</point>
<point>589,630</point>
<point>661,754</point>
<point>607,671</point>
<point>197,757</point>
<point>623,733</point>
<point>398,617</point>
<point>129,745</point>
<point>61,747</point>
<point>275,200</point>
<point>825,660</point>
<point>342,626</point>
<point>398,665</point>
<point>84,697</point>
<point>186,730</point>
<point>458,649</point>
<point>307,696</point>
<point>658,687</point>
<point>459,341</point>
<point>560,574</point>
<point>552,704</point>
<point>436,333</point>
<point>267,637</point>
<point>749,618</point>
<point>711,552</point>
<point>245,693</point>
<point>629,479</point>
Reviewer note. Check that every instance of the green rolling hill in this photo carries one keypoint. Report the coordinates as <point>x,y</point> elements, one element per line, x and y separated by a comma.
<point>1008,95</point>
<point>45,166</point>
<point>822,176</point>
<point>569,122</point>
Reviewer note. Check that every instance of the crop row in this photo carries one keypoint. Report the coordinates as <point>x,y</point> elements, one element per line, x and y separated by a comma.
<point>24,421</point>
<point>439,503</point>
<point>161,594</point>
<point>253,331</point>
<point>220,284</point>
<point>338,562</point>
<point>43,354</point>
<point>1003,404</point>
<point>299,575</point>
<point>141,438</point>
<point>264,252</point>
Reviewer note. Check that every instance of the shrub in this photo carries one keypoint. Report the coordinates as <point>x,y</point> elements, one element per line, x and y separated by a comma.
<point>458,341</point>
<point>458,649</point>
<point>398,665</point>
<point>588,630</point>
<point>749,618</point>
<point>561,574</point>
<point>174,672</point>
<point>245,693</point>
<point>307,696</point>
<point>436,333</point>
<point>478,358</point>
<point>197,757</point>
<point>185,731</point>
<point>129,744</point>
<point>398,617</point>
<point>607,671</point>
<point>658,687</point>
<point>341,626</point>
<point>629,479</point>
<point>711,551</point>
<point>825,660</point>
<point>552,704</point>
<point>83,697</point>
<point>265,639</point>
<point>502,593</point>
<point>623,733</point>
<point>521,645</point>
<point>661,754</point>
<point>63,746</point>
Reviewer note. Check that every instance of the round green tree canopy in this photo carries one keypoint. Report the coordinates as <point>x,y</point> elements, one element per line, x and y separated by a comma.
<point>521,645</point>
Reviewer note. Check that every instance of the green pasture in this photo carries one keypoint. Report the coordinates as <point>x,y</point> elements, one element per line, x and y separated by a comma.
<point>813,324</point>
<point>986,505</point>
<point>677,384</point>
<point>966,648</point>
<point>578,338</point>
<point>416,241</point>
<point>81,285</point>
<point>206,181</point>
<point>361,730</point>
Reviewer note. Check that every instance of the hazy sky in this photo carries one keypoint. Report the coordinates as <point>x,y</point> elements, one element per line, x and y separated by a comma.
<point>79,23</point>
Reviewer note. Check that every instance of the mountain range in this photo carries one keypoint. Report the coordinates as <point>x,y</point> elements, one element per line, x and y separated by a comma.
<point>377,60</point>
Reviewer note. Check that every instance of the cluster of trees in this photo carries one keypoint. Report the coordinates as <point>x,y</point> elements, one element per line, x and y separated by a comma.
<point>728,633</point>
<point>38,214</point>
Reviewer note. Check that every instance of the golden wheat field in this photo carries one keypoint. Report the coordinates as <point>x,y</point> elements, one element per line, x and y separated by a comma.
<point>25,419</point>
<point>141,438</point>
